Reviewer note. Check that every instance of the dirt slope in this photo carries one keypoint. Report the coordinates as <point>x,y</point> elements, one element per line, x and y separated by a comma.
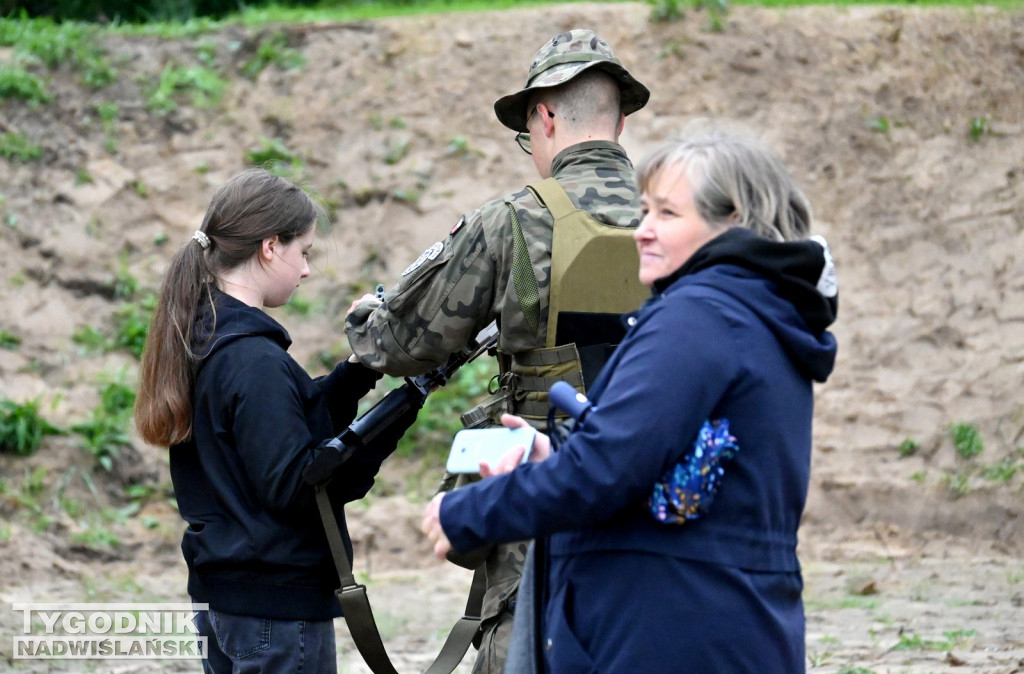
<point>391,121</point>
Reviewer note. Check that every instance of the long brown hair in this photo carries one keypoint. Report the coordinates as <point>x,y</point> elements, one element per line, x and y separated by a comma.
<point>250,207</point>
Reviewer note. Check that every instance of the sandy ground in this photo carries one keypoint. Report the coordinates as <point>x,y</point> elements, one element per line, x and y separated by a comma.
<point>905,127</point>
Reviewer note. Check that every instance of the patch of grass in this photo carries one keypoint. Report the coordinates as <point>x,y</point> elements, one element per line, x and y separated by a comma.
<point>19,84</point>
<point>880,124</point>
<point>276,157</point>
<point>951,640</point>
<point>818,659</point>
<point>22,427</point>
<point>17,146</point>
<point>663,11</point>
<point>908,447</point>
<point>109,113</point>
<point>96,537</point>
<point>204,87</point>
<point>90,339</point>
<point>9,341</point>
<point>957,483</point>
<point>54,44</point>
<point>397,151</point>
<point>1002,471</point>
<point>131,324</point>
<point>206,51</point>
<point>107,428</point>
<point>459,146</point>
<point>130,328</point>
<point>273,50</point>
<point>966,439</point>
<point>978,127</point>
<point>855,670</point>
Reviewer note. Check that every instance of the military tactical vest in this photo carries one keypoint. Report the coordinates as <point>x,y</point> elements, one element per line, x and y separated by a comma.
<point>594,280</point>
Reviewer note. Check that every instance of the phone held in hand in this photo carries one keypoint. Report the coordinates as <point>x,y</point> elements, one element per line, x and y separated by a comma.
<point>473,445</point>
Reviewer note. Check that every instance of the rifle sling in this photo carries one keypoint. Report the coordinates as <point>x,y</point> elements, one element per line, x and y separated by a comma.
<point>355,607</point>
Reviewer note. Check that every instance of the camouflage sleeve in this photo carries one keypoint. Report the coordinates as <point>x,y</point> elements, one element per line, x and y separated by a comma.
<point>441,301</point>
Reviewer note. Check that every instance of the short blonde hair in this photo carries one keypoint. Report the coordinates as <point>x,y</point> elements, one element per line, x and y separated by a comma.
<point>736,183</point>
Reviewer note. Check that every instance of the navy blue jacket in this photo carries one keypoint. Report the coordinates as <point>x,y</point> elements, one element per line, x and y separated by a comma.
<point>255,544</point>
<point>738,334</point>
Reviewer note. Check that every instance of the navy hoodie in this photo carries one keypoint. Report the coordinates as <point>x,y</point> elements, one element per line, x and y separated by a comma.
<point>255,544</point>
<point>737,333</point>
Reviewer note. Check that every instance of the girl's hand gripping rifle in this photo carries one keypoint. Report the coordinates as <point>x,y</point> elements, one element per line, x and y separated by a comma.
<point>335,451</point>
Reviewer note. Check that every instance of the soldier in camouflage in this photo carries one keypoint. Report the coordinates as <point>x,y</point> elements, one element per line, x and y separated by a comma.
<point>568,117</point>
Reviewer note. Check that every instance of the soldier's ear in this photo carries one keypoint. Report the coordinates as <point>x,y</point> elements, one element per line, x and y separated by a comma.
<point>547,118</point>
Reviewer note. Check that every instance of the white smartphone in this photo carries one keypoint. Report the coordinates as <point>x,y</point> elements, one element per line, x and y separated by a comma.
<point>473,445</point>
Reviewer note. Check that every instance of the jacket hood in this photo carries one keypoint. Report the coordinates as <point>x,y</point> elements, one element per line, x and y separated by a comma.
<point>231,320</point>
<point>800,301</point>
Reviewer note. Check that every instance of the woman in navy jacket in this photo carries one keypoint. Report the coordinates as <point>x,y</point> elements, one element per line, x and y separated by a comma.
<point>242,420</point>
<point>671,512</point>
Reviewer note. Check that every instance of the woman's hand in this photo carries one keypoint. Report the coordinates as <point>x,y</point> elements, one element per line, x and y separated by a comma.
<point>431,526</point>
<point>512,458</point>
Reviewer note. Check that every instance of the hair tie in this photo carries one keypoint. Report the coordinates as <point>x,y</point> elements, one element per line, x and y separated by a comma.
<point>200,236</point>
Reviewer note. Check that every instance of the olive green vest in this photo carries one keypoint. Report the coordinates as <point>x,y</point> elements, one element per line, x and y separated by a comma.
<point>594,279</point>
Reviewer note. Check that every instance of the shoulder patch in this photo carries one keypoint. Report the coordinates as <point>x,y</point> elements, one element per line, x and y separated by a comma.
<point>427,255</point>
<point>458,226</point>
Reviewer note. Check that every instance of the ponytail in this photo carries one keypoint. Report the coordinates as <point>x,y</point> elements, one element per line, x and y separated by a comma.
<point>163,406</point>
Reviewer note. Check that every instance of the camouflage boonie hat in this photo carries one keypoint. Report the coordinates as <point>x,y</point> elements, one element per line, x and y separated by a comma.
<point>564,57</point>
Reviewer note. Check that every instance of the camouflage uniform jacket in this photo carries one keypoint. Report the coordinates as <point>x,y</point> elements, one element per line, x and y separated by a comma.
<point>462,283</point>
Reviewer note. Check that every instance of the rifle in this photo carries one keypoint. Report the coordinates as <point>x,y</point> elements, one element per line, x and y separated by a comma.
<point>333,453</point>
<point>412,394</point>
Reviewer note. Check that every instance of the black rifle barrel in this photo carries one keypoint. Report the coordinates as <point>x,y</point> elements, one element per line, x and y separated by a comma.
<point>392,407</point>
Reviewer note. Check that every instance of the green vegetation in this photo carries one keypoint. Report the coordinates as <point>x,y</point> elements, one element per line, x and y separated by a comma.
<point>204,87</point>
<point>108,113</point>
<point>17,146</point>
<point>978,127</point>
<point>9,341</point>
<point>953,639</point>
<point>27,496</point>
<point>273,49</point>
<point>20,84</point>
<point>107,428</point>
<point>131,325</point>
<point>397,151</point>
<point>1004,470</point>
<point>908,447</point>
<point>277,158</point>
<point>673,10</point>
<point>22,427</point>
<point>966,439</point>
<point>879,124</point>
<point>52,44</point>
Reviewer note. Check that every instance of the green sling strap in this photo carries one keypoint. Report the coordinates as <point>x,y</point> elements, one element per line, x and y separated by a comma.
<point>355,607</point>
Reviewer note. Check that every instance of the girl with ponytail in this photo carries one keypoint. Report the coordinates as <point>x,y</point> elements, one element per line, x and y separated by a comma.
<point>242,420</point>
